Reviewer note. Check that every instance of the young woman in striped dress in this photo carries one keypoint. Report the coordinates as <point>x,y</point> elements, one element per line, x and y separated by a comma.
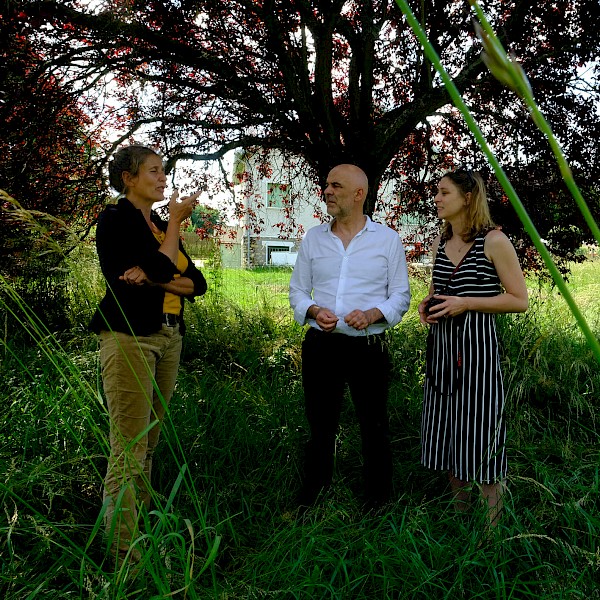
<point>476,275</point>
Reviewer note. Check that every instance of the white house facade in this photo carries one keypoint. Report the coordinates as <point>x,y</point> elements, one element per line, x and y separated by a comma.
<point>280,204</point>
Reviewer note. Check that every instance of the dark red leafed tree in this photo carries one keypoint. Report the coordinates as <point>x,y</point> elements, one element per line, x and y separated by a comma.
<point>48,176</point>
<point>342,81</point>
<point>48,161</point>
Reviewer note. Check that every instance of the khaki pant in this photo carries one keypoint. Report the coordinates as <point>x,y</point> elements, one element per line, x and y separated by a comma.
<point>139,377</point>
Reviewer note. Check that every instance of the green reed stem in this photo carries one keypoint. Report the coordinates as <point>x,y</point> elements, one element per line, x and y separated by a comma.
<point>500,174</point>
<point>510,72</point>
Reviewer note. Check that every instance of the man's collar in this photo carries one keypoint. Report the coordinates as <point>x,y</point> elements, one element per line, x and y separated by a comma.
<point>369,224</point>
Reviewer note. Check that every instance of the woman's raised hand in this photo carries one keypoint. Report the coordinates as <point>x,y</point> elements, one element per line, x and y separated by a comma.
<point>180,210</point>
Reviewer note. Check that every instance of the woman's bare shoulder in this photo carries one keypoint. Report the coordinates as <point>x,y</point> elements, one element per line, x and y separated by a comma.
<point>497,244</point>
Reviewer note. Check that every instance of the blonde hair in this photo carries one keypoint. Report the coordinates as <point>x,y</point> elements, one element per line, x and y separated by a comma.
<point>477,219</point>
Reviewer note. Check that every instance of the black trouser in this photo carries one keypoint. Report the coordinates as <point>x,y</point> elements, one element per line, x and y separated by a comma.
<point>329,361</point>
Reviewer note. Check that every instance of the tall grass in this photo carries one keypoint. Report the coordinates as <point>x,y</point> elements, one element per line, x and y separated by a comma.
<point>223,523</point>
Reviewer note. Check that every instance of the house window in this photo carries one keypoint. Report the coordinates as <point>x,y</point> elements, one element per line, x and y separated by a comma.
<point>274,250</point>
<point>279,253</point>
<point>278,195</point>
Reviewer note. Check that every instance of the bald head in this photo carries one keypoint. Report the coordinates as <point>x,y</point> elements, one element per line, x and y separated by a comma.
<point>345,193</point>
<point>352,176</point>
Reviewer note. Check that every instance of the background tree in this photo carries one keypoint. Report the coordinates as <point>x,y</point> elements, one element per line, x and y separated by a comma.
<point>339,80</point>
<point>48,174</point>
<point>205,220</point>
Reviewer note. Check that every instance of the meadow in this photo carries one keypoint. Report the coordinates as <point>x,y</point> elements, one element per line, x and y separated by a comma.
<point>223,523</point>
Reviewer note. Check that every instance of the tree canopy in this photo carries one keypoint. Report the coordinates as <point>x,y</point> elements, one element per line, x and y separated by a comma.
<point>338,81</point>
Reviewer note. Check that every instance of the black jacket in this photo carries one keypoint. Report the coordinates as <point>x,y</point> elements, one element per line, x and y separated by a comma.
<point>124,240</point>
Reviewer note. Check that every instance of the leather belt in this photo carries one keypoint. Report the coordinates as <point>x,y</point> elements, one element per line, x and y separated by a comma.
<point>170,320</point>
<point>369,339</point>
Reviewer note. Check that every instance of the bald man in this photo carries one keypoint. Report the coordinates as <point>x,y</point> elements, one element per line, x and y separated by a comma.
<point>350,284</point>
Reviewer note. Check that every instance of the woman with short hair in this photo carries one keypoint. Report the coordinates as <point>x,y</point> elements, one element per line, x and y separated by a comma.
<point>140,326</point>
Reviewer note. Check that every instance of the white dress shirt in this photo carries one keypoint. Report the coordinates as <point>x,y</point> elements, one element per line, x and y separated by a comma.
<point>370,273</point>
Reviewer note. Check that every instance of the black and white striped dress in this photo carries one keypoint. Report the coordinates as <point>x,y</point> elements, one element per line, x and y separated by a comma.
<point>462,426</point>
